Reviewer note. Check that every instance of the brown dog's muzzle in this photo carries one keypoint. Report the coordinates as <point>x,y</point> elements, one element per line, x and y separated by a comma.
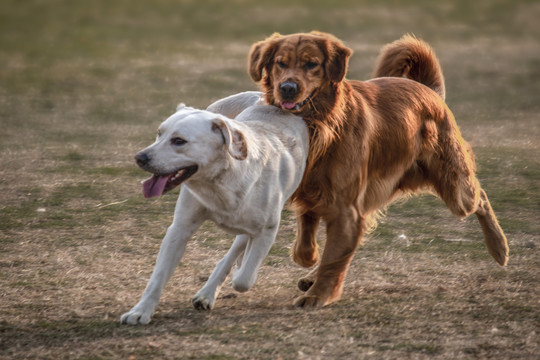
<point>288,90</point>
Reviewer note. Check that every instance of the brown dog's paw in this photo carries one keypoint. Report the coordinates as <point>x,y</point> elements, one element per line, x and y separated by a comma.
<point>305,258</point>
<point>305,283</point>
<point>308,301</point>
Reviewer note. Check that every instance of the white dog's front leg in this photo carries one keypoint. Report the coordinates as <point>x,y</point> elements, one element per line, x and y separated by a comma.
<point>187,219</point>
<point>258,247</point>
<point>206,296</point>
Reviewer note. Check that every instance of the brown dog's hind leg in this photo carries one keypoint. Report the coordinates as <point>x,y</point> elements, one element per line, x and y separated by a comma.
<point>344,232</point>
<point>456,183</point>
<point>305,250</point>
<point>494,237</point>
<point>464,203</point>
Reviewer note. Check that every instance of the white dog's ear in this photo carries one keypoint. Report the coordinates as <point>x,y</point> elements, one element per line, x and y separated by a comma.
<point>233,139</point>
<point>180,107</point>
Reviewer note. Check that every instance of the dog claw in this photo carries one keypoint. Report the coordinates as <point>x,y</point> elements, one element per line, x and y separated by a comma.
<point>135,318</point>
<point>304,284</point>
<point>308,301</point>
<point>202,303</point>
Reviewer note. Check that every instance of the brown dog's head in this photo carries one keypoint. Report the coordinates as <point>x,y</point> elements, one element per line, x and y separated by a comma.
<point>295,69</point>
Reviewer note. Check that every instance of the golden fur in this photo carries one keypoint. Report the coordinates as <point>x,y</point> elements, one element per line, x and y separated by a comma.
<point>370,142</point>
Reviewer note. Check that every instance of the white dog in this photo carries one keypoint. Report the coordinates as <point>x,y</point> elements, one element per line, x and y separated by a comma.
<point>238,173</point>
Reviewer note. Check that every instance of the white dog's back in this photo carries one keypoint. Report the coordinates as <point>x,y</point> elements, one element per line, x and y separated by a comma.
<point>233,105</point>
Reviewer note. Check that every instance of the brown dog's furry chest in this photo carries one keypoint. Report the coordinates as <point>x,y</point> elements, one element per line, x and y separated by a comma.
<point>336,137</point>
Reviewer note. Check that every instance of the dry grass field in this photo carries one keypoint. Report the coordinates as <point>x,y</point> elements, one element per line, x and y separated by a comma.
<point>84,85</point>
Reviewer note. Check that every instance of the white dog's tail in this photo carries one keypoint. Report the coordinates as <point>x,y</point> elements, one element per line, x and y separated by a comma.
<point>414,59</point>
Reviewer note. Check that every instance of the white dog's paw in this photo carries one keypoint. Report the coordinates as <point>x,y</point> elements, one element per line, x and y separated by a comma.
<point>136,317</point>
<point>201,302</point>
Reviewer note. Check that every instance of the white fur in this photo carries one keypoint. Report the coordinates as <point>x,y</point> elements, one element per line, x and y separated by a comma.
<point>243,196</point>
<point>233,105</point>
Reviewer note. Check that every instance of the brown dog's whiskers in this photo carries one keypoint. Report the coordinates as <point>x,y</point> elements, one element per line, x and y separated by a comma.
<point>313,105</point>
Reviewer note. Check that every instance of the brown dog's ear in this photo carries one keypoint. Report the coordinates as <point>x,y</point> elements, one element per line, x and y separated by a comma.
<point>261,56</point>
<point>337,56</point>
<point>233,139</point>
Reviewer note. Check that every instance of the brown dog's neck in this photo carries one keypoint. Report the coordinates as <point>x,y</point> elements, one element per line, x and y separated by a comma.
<point>325,126</point>
<point>325,121</point>
<point>325,115</point>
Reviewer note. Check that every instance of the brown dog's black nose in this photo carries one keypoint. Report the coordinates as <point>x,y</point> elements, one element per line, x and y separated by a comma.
<point>142,158</point>
<point>288,89</point>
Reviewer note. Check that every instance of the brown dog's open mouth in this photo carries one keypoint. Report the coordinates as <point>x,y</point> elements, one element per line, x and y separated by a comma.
<point>289,105</point>
<point>157,185</point>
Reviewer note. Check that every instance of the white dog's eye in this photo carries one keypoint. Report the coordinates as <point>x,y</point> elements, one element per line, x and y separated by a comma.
<point>178,141</point>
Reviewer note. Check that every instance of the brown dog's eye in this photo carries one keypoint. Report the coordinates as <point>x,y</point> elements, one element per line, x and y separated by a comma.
<point>310,65</point>
<point>282,65</point>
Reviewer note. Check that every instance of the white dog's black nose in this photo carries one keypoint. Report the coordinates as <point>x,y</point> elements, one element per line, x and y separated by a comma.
<point>142,158</point>
<point>288,89</point>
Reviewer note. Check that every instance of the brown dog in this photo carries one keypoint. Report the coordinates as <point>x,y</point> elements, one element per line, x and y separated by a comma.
<point>369,143</point>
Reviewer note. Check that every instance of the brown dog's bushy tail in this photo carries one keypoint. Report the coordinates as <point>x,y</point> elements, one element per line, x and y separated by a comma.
<point>412,58</point>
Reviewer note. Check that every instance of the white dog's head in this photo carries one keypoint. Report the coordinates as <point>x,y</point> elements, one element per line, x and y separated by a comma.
<point>189,142</point>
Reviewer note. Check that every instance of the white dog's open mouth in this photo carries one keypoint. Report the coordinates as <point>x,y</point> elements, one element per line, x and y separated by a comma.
<point>157,185</point>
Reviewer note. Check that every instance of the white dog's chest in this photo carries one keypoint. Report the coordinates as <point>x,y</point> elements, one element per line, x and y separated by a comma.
<point>235,216</point>
<point>238,222</point>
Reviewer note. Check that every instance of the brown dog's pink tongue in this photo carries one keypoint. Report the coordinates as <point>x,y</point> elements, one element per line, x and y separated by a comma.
<point>288,105</point>
<point>155,186</point>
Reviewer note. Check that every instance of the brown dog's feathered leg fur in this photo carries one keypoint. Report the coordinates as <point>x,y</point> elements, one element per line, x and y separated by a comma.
<point>305,249</point>
<point>456,183</point>
<point>414,59</point>
<point>493,235</point>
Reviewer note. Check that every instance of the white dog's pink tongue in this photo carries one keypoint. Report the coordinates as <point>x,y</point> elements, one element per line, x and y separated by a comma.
<point>288,105</point>
<point>155,186</point>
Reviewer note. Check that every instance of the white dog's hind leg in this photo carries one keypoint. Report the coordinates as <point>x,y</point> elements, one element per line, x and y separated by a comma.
<point>188,217</point>
<point>206,296</point>
<point>245,276</point>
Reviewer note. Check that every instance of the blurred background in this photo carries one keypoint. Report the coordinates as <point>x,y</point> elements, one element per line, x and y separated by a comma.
<point>84,85</point>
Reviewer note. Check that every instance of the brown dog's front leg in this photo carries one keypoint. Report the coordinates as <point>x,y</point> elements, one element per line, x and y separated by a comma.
<point>344,233</point>
<point>305,251</point>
